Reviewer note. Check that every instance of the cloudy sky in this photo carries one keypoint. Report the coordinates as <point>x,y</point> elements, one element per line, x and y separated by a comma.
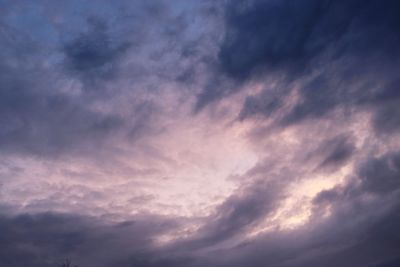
<point>186,133</point>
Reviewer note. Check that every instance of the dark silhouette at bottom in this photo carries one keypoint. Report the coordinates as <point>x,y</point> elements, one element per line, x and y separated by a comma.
<point>68,263</point>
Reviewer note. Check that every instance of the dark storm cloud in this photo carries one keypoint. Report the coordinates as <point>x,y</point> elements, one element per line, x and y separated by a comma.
<point>267,32</point>
<point>281,33</point>
<point>350,88</point>
<point>377,175</point>
<point>386,118</point>
<point>386,100</point>
<point>337,52</point>
<point>382,175</point>
<point>94,54</point>
<point>243,210</point>
<point>334,54</point>
<point>390,263</point>
<point>319,97</point>
<point>47,239</point>
<point>337,150</point>
<point>264,103</point>
<point>217,87</point>
<point>346,242</point>
<point>357,233</point>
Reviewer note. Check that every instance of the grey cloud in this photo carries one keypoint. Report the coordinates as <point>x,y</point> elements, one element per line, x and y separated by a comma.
<point>390,263</point>
<point>334,54</point>
<point>337,150</point>
<point>386,102</point>
<point>386,119</point>
<point>47,239</point>
<point>319,97</point>
<point>381,175</point>
<point>266,32</point>
<point>217,87</point>
<point>94,54</point>
<point>265,103</point>
<point>334,51</point>
<point>42,112</point>
<point>243,209</point>
<point>356,234</point>
<point>278,33</point>
<point>36,120</point>
<point>262,33</point>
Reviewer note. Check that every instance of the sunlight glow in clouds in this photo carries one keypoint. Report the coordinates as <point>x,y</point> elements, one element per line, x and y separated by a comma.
<point>190,179</point>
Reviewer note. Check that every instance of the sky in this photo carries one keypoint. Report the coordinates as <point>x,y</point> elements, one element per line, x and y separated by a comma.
<point>214,133</point>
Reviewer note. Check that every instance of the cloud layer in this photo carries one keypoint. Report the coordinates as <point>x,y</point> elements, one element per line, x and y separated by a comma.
<point>212,133</point>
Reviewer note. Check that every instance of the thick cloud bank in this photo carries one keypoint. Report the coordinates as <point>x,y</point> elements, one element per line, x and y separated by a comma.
<point>200,133</point>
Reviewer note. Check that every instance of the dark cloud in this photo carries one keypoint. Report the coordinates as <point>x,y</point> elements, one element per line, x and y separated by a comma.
<point>39,121</point>
<point>265,103</point>
<point>386,119</point>
<point>319,97</point>
<point>318,61</point>
<point>357,232</point>
<point>277,33</point>
<point>267,32</point>
<point>378,175</point>
<point>42,112</point>
<point>347,240</point>
<point>390,263</point>
<point>47,239</point>
<point>94,54</point>
<point>350,89</point>
<point>336,150</point>
<point>243,210</point>
<point>334,53</point>
<point>381,175</point>
<point>217,87</point>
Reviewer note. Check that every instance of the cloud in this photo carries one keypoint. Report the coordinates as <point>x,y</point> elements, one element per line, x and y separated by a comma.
<point>267,32</point>
<point>356,233</point>
<point>278,33</point>
<point>32,117</point>
<point>381,175</point>
<point>239,213</point>
<point>94,54</point>
<point>46,112</point>
<point>329,53</point>
<point>36,119</point>
<point>47,239</point>
<point>337,150</point>
<point>238,133</point>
